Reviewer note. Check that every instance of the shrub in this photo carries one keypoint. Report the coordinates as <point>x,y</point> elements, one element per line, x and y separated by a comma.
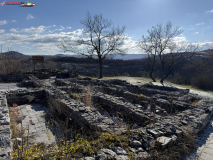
<point>203,81</point>
<point>10,65</point>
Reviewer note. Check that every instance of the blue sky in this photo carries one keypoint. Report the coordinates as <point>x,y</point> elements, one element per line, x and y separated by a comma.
<point>38,29</point>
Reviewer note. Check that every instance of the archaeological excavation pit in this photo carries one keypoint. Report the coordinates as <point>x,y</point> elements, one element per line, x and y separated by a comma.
<point>159,115</point>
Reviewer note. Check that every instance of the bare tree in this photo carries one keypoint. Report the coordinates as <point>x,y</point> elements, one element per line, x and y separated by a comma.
<point>99,40</point>
<point>161,48</point>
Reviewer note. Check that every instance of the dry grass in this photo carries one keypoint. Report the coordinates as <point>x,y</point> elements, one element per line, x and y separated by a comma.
<point>183,146</point>
<point>87,97</point>
<point>10,65</point>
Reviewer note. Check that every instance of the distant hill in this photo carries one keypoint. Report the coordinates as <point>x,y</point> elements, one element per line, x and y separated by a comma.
<point>209,52</point>
<point>125,57</point>
<point>15,54</point>
<point>23,56</point>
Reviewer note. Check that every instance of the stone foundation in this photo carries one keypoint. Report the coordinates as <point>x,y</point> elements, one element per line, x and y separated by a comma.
<point>161,115</point>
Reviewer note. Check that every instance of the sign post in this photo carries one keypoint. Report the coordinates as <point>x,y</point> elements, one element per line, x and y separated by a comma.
<point>38,59</point>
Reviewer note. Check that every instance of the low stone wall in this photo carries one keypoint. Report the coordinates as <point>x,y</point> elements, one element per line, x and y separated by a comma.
<point>42,75</point>
<point>5,134</point>
<point>84,116</point>
<point>21,97</point>
<point>32,82</point>
<point>7,78</point>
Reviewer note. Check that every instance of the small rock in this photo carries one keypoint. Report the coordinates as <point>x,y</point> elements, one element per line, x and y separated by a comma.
<point>143,155</point>
<point>133,150</point>
<point>110,152</point>
<point>136,143</point>
<point>80,155</point>
<point>119,151</point>
<point>179,133</point>
<point>19,140</point>
<point>121,157</point>
<point>89,158</point>
<point>108,121</point>
<point>184,122</point>
<point>152,144</point>
<point>164,141</point>
<point>101,156</point>
<point>211,123</point>
<point>154,132</point>
<point>146,146</point>
<point>173,129</point>
<point>139,149</point>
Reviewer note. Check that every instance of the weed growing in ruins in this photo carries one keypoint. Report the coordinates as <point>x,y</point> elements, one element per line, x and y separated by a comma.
<point>13,125</point>
<point>87,98</point>
<point>182,147</point>
<point>140,96</point>
<point>75,96</point>
<point>194,103</point>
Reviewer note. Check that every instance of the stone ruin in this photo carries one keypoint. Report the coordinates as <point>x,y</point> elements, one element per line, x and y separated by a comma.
<point>159,116</point>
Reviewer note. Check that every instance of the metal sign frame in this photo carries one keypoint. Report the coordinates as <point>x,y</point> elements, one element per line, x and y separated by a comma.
<point>38,59</point>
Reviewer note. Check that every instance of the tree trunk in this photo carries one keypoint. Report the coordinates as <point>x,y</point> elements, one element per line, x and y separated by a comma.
<point>101,74</point>
<point>161,81</point>
<point>150,75</point>
<point>152,68</point>
<point>163,78</point>
<point>162,72</point>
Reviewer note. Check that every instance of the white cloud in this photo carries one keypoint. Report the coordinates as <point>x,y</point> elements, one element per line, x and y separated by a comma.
<point>3,22</point>
<point>13,30</point>
<point>34,37</point>
<point>60,29</point>
<point>2,31</point>
<point>69,27</point>
<point>189,28</point>
<point>13,21</point>
<point>38,29</point>
<point>196,32</point>
<point>29,16</point>
<point>180,39</point>
<point>211,11</point>
<point>131,46</point>
<point>198,24</point>
<point>207,27</point>
<point>26,47</point>
<point>206,45</point>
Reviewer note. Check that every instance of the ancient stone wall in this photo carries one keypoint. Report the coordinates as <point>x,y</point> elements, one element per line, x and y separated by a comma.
<point>7,78</point>
<point>5,132</point>
<point>160,115</point>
